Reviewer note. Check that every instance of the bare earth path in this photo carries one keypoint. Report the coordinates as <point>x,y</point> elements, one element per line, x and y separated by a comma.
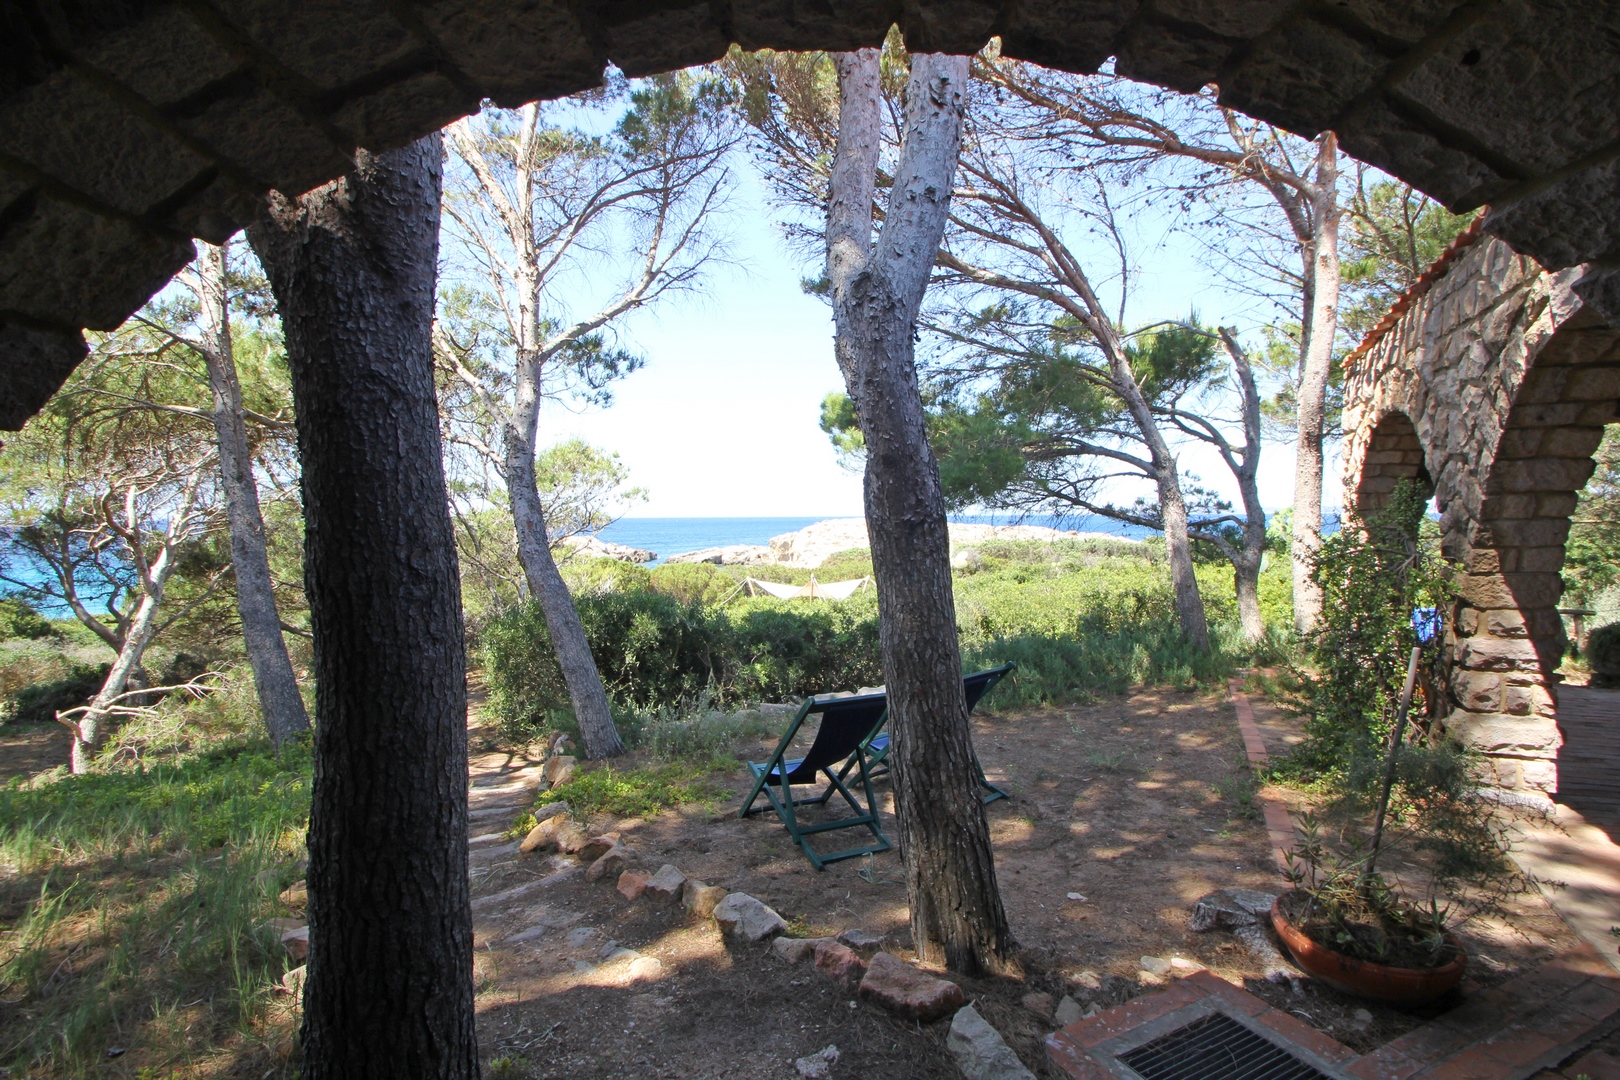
<point>1138,804</point>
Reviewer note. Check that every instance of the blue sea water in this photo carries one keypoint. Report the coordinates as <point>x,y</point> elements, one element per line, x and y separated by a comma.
<point>675,535</point>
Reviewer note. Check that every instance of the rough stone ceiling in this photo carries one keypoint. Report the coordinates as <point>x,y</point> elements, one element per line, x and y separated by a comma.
<point>129,126</point>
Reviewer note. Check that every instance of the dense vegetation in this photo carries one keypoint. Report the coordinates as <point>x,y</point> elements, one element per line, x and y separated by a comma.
<point>139,894</point>
<point>1080,618</point>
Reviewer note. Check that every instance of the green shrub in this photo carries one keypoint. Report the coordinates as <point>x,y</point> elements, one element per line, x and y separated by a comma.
<point>1373,574</point>
<point>18,619</point>
<point>692,583</point>
<point>39,703</point>
<point>846,565</point>
<point>1603,654</point>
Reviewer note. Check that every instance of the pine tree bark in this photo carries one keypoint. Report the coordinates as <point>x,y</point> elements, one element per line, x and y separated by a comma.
<point>389,990</point>
<point>957,915</point>
<point>1316,364</point>
<point>273,678</point>
<point>567,633</point>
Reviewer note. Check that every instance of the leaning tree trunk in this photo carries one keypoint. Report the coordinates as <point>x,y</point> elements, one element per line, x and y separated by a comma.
<point>546,585</point>
<point>389,991</point>
<point>956,911</point>
<point>126,669</point>
<point>1316,363</point>
<point>273,678</point>
<point>1188,600</point>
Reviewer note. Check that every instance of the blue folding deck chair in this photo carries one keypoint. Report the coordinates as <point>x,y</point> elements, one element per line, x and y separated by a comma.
<point>846,722</point>
<point>874,749</point>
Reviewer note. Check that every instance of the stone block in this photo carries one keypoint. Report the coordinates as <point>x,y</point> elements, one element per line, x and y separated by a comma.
<point>329,44</point>
<point>392,115</point>
<point>1534,560</point>
<point>517,50</point>
<point>1499,734</point>
<point>571,838</point>
<point>597,846</point>
<point>851,24</point>
<point>700,899</point>
<point>839,962</point>
<point>1376,132</point>
<point>613,862</point>
<point>980,1051</point>
<point>1541,474</point>
<point>1525,532</point>
<point>901,989</point>
<point>1303,78</point>
<point>657,41</point>
<point>1530,700</point>
<point>633,883</point>
<point>54,260</point>
<point>1572,442</point>
<point>1043,33</point>
<point>796,950</point>
<point>1539,775</point>
<point>1485,653</point>
<point>744,918</point>
<point>666,885</point>
<point>264,137</point>
<point>1477,691</point>
<point>1507,623</point>
<point>962,26</point>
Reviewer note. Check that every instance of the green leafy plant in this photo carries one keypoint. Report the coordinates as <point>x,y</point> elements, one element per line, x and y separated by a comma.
<point>637,792</point>
<point>1603,654</point>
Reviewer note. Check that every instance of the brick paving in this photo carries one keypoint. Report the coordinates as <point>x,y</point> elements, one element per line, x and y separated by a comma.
<point>1537,1021</point>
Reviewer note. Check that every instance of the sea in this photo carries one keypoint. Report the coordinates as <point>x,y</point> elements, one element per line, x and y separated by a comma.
<point>676,535</point>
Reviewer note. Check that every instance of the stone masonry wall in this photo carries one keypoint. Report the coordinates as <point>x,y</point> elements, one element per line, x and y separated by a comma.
<point>1493,387</point>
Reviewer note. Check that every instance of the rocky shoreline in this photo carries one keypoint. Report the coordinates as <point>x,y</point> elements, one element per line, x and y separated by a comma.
<point>813,545</point>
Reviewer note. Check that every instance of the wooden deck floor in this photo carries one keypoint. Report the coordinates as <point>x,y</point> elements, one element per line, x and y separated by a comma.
<point>1589,763</point>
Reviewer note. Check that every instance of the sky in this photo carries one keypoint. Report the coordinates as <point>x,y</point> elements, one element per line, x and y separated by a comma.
<point>722,421</point>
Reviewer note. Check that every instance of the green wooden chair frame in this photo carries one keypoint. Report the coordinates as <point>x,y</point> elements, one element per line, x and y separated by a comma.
<point>847,723</point>
<point>873,752</point>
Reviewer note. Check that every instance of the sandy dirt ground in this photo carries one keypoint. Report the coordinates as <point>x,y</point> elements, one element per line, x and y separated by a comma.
<point>1140,805</point>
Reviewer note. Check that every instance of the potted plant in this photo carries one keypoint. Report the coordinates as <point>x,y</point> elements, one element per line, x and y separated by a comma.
<point>1344,921</point>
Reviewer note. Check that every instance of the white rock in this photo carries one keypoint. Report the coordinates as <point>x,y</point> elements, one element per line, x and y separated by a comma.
<point>1155,965</point>
<point>743,917</point>
<point>1068,1011</point>
<point>734,555</point>
<point>597,548</point>
<point>980,1051</point>
<point>817,1066</point>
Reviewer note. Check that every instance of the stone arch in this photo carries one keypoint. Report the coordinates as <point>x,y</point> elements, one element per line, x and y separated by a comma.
<point>1394,453</point>
<point>1505,380</point>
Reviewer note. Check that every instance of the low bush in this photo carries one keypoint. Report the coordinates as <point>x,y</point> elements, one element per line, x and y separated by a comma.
<point>1603,654</point>
<point>1080,618</point>
<point>39,703</point>
<point>18,619</point>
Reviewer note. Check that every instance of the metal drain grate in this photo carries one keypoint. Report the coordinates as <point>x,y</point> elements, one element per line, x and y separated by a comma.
<point>1216,1048</point>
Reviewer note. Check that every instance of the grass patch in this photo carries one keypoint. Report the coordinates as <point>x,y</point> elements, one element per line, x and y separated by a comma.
<point>136,899</point>
<point>638,792</point>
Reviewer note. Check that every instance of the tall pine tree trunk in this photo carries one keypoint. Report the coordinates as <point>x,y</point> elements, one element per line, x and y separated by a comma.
<point>1316,363</point>
<point>1188,600</point>
<point>273,678</point>
<point>956,911</point>
<point>546,585</point>
<point>389,990</point>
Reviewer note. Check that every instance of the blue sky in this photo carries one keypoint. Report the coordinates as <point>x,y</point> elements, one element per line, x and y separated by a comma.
<point>722,420</point>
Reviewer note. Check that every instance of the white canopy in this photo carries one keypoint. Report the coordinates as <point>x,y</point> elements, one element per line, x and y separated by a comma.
<point>832,590</point>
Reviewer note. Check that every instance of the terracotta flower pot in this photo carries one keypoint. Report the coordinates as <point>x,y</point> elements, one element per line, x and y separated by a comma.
<point>1392,985</point>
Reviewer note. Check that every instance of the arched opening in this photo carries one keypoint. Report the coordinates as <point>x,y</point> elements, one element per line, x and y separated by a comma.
<point>1394,453</point>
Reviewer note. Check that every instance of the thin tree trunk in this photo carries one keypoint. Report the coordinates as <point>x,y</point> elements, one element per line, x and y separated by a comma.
<point>1316,360</point>
<point>87,730</point>
<point>389,991</point>
<point>1188,600</point>
<point>273,678</point>
<point>546,585</point>
<point>956,911</point>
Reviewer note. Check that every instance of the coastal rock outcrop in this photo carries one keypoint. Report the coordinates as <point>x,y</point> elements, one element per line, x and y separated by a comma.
<point>735,555</point>
<point>596,548</point>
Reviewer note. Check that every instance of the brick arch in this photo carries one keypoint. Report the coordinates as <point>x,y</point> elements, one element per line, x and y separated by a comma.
<point>1394,453</point>
<point>1505,380</point>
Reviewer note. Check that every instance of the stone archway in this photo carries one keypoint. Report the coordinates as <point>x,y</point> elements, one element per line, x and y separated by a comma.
<point>1491,379</point>
<point>1394,453</point>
